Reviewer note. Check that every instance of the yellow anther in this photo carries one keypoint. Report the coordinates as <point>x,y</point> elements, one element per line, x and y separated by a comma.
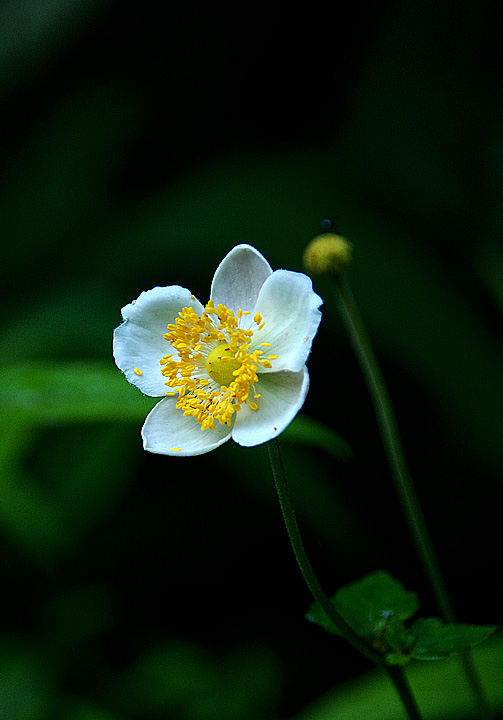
<point>137,371</point>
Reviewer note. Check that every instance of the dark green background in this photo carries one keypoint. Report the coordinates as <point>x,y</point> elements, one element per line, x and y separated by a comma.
<point>140,142</point>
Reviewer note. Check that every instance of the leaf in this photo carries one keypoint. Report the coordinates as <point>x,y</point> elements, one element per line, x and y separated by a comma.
<point>433,640</point>
<point>369,604</point>
<point>69,392</point>
<point>376,606</point>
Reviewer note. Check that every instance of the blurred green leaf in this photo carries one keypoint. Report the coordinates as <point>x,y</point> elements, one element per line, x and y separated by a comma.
<point>74,616</point>
<point>79,396</point>
<point>434,640</point>
<point>52,502</point>
<point>71,392</point>
<point>305,430</point>
<point>49,519</point>
<point>180,679</point>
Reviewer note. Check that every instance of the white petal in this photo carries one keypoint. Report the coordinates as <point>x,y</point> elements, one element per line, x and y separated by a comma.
<point>139,342</point>
<point>282,396</point>
<point>166,428</point>
<point>239,277</point>
<point>289,307</point>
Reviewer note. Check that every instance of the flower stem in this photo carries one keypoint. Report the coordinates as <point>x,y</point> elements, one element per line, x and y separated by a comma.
<point>398,678</point>
<point>395,674</point>
<point>400,473</point>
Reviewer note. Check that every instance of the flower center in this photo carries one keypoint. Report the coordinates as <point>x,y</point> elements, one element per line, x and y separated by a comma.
<point>215,370</point>
<point>221,364</point>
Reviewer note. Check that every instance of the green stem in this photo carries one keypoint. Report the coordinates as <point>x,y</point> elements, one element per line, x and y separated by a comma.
<point>293,530</point>
<point>398,678</point>
<point>403,482</point>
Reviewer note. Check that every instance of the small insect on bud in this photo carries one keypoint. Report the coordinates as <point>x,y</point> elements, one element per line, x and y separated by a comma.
<point>327,254</point>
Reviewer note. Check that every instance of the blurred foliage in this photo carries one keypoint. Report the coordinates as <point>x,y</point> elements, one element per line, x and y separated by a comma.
<point>139,144</point>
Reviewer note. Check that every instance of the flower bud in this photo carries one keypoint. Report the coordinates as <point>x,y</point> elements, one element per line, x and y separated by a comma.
<point>327,254</point>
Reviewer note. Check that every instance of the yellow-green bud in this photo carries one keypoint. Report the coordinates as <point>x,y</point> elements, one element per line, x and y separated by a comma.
<point>327,254</point>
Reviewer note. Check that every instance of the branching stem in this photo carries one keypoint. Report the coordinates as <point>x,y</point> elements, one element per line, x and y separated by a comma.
<point>404,486</point>
<point>395,674</point>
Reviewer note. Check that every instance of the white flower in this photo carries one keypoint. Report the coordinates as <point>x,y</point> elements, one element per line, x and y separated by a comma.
<point>235,368</point>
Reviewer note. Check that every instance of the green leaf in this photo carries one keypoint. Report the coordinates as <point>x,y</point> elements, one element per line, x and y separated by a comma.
<point>369,604</point>
<point>376,607</point>
<point>69,392</point>
<point>433,640</point>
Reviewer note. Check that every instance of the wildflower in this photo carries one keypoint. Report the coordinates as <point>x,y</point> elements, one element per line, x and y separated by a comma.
<point>233,368</point>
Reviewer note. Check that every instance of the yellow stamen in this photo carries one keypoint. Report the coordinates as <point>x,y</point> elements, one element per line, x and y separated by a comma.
<point>137,371</point>
<point>216,365</point>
